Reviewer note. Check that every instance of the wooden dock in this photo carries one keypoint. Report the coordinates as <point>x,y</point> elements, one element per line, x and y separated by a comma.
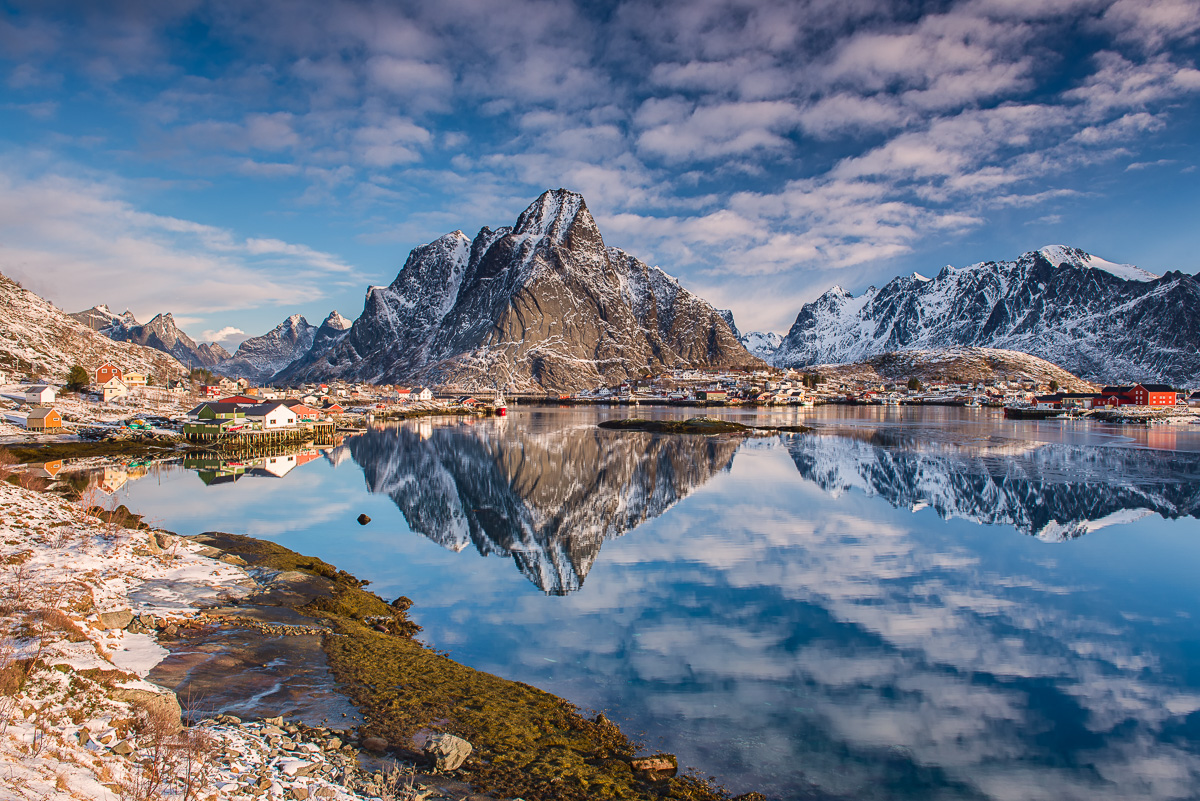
<point>251,441</point>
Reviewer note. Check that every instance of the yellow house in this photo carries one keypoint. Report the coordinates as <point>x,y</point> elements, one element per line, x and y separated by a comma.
<point>135,380</point>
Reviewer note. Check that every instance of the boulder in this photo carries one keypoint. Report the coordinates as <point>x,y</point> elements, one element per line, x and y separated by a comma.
<point>122,748</point>
<point>447,751</point>
<point>657,764</point>
<point>363,520</point>
<point>377,744</point>
<point>118,619</point>
<point>162,705</point>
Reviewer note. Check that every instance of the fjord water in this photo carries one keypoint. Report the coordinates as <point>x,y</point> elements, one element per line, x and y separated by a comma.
<point>907,604</point>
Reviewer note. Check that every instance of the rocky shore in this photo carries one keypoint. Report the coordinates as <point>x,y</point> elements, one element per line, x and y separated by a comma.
<point>121,677</point>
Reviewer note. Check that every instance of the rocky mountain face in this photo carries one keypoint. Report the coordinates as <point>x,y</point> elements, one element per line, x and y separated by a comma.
<point>161,333</point>
<point>39,337</point>
<point>259,358</point>
<point>1102,321</point>
<point>548,501</point>
<point>1053,491</point>
<point>542,304</point>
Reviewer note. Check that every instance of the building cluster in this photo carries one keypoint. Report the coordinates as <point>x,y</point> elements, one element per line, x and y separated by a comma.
<point>1151,395</point>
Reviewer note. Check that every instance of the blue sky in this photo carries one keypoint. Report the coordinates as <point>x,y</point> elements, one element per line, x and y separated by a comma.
<point>234,162</point>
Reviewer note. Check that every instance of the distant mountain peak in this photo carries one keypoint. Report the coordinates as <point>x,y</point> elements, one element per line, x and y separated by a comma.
<point>337,321</point>
<point>555,215</point>
<point>1060,255</point>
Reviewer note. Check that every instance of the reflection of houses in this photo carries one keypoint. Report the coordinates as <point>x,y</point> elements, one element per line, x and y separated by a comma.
<point>226,471</point>
<point>216,471</point>
<point>277,466</point>
<point>113,479</point>
<point>46,469</point>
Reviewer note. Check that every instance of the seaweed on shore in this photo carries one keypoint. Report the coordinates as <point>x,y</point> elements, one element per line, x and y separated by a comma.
<point>528,743</point>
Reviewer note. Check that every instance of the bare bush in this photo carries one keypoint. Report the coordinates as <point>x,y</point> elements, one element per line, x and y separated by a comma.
<point>178,760</point>
<point>7,461</point>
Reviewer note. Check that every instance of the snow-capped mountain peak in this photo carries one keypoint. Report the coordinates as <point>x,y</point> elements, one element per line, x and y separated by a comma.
<point>336,321</point>
<point>1060,255</point>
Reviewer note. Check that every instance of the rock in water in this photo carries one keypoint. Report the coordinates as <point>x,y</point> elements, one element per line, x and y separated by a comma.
<point>376,744</point>
<point>448,751</point>
<point>363,520</point>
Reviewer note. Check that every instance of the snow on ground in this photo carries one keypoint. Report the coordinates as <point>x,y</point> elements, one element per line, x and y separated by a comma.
<point>68,670</point>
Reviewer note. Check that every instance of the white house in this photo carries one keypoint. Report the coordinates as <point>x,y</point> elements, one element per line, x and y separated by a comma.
<point>40,395</point>
<point>275,414</point>
<point>113,388</point>
<point>421,394</point>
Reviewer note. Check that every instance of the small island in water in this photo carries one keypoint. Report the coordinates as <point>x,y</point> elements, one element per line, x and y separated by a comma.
<point>697,425</point>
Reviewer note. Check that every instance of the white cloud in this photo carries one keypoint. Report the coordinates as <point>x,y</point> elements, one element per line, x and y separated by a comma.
<point>76,240</point>
<point>226,336</point>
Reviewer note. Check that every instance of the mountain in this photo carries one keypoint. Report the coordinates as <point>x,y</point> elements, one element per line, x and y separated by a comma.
<point>160,333</point>
<point>1054,491</point>
<point>549,501</point>
<point>1102,321</point>
<point>762,344</point>
<point>259,358</point>
<point>541,304</point>
<point>101,317</point>
<point>38,336</point>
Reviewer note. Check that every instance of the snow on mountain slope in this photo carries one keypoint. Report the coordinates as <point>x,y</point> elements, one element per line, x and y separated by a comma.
<point>37,336</point>
<point>762,344</point>
<point>1059,304</point>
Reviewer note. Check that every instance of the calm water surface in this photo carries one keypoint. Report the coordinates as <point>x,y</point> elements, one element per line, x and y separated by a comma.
<point>908,604</point>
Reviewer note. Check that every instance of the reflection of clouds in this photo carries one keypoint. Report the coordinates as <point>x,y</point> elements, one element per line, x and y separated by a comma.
<point>777,636</point>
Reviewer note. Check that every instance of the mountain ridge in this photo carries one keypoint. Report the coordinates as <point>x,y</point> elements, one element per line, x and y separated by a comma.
<point>1096,319</point>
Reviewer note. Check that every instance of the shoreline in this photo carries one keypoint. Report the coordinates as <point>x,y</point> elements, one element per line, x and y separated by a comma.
<point>525,742</point>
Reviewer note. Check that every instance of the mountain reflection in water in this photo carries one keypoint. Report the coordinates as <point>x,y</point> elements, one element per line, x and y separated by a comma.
<point>1055,491</point>
<point>548,500</point>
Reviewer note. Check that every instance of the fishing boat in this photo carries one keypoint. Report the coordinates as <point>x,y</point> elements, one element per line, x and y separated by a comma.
<point>498,405</point>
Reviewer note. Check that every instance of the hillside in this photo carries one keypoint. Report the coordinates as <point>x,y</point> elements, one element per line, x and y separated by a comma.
<point>39,337</point>
<point>954,365</point>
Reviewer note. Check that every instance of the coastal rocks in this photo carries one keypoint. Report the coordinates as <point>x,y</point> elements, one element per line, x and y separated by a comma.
<point>160,706</point>
<point>447,751</point>
<point>363,519</point>
<point>118,619</point>
<point>657,765</point>
<point>376,744</point>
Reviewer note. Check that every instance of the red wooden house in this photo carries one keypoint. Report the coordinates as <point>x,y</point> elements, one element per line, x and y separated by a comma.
<point>106,372</point>
<point>1139,395</point>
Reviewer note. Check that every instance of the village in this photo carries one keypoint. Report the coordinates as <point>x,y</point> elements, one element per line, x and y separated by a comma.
<point>207,409</point>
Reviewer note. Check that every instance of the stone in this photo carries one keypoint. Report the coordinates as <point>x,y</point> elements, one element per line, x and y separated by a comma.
<point>363,520</point>
<point>136,627</point>
<point>84,736</point>
<point>118,619</point>
<point>333,744</point>
<point>147,621</point>
<point>298,793</point>
<point>447,751</point>
<point>162,704</point>
<point>123,748</point>
<point>660,764</point>
<point>376,744</point>
<point>326,792</point>
<point>276,722</point>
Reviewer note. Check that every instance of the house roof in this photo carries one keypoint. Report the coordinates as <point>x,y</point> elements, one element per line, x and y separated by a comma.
<point>238,399</point>
<point>1116,390</point>
<point>38,388</point>
<point>40,413</point>
<point>263,409</point>
<point>1157,387</point>
<point>219,408</point>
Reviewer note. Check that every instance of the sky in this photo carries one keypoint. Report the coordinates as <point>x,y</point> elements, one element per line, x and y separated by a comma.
<point>236,162</point>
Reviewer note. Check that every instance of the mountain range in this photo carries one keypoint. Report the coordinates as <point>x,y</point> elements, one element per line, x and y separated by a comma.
<point>546,304</point>
<point>1099,320</point>
<point>161,333</point>
<point>37,337</point>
